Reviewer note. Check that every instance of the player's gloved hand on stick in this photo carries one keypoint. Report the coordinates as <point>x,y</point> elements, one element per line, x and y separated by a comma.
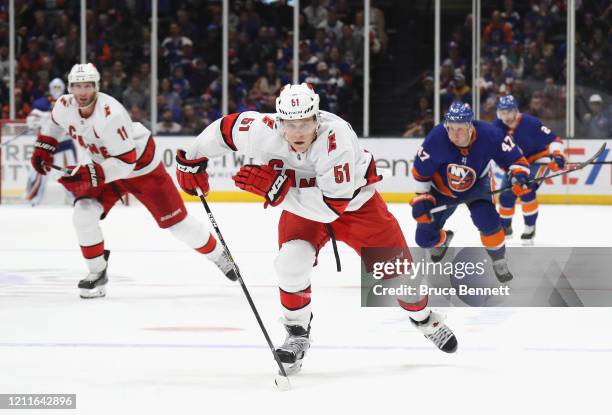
<point>191,174</point>
<point>44,149</point>
<point>86,178</point>
<point>558,161</point>
<point>519,180</point>
<point>263,181</point>
<point>422,204</point>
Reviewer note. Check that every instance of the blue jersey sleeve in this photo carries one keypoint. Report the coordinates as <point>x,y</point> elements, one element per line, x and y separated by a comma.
<point>507,153</point>
<point>541,133</point>
<point>42,104</point>
<point>426,162</point>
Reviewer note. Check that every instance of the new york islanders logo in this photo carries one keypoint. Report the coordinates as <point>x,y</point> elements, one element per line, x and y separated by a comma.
<point>460,178</point>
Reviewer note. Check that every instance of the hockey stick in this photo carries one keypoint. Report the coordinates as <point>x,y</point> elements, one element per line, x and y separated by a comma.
<point>66,169</point>
<point>578,166</point>
<point>17,137</point>
<point>577,163</point>
<point>285,385</point>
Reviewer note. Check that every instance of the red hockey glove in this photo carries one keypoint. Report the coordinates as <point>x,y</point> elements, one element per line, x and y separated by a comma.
<point>191,174</point>
<point>42,158</point>
<point>421,204</point>
<point>558,161</point>
<point>263,181</point>
<point>86,178</point>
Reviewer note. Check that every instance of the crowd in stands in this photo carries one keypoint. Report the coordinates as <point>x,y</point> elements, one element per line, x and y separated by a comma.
<point>523,53</point>
<point>190,83</point>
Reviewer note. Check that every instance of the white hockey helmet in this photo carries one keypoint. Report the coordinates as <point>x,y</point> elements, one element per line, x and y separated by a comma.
<point>57,88</point>
<point>84,72</point>
<point>296,102</point>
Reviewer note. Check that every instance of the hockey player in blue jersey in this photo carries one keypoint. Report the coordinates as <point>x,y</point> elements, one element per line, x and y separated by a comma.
<point>453,165</point>
<point>540,146</point>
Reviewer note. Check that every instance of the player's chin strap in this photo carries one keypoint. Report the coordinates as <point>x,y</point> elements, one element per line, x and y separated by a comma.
<point>330,231</point>
<point>86,107</point>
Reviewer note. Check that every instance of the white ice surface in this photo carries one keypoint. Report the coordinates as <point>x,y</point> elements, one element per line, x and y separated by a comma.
<point>173,337</point>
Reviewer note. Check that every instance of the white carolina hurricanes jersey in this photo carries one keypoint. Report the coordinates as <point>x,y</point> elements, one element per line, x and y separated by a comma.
<point>123,148</point>
<point>334,175</point>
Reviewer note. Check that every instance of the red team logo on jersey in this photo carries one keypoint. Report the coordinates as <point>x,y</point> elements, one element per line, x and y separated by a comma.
<point>331,142</point>
<point>460,177</point>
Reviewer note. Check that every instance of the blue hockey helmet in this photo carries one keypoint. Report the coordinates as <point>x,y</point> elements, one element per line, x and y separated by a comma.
<point>459,112</point>
<point>507,103</point>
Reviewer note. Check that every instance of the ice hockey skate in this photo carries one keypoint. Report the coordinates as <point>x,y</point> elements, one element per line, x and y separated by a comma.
<point>508,232</point>
<point>220,258</point>
<point>502,273</point>
<point>528,235</point>
<point>293,350</point>
<point>434,329</point>
<point>94,284</point>
<point>438,252</point>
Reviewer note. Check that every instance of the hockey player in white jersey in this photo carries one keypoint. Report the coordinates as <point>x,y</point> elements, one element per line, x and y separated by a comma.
<point>310,165</point>
<point>124,160</point>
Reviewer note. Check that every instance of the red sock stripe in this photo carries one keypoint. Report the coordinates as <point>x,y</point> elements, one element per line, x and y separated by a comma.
<point>418,306</point>
<point>209,247</point>
<point>295,301</point>
<point>93,251</point>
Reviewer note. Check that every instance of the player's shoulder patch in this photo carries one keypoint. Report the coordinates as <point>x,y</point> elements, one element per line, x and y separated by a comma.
<point>337,133</point>
<point>61,108</point>
<point>331,141</point>
<point>63,101</point>
<point>269,121</point>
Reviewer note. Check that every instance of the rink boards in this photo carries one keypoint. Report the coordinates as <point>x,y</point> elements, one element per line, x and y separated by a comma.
<point>394,157</point>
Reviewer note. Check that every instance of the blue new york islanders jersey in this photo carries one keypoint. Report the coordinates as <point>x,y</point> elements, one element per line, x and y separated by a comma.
<point>531,136</point>
<point>453,171</point>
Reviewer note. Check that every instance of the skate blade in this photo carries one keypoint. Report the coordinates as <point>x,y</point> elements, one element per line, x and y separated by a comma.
<point>292,368</point>
<point>96,292</point>
<point>527,242</point>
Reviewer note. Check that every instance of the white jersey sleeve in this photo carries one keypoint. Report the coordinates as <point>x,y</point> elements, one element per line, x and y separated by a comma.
<point>230,133</point>
<point>51,127</point>
<point>118,138</point>
<point>37,118</point>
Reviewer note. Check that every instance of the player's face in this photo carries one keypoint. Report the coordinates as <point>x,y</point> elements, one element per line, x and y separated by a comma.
<point>459,133</point>
<point>508,117</point>
<point>300,133</point>
<point>84,92</point>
